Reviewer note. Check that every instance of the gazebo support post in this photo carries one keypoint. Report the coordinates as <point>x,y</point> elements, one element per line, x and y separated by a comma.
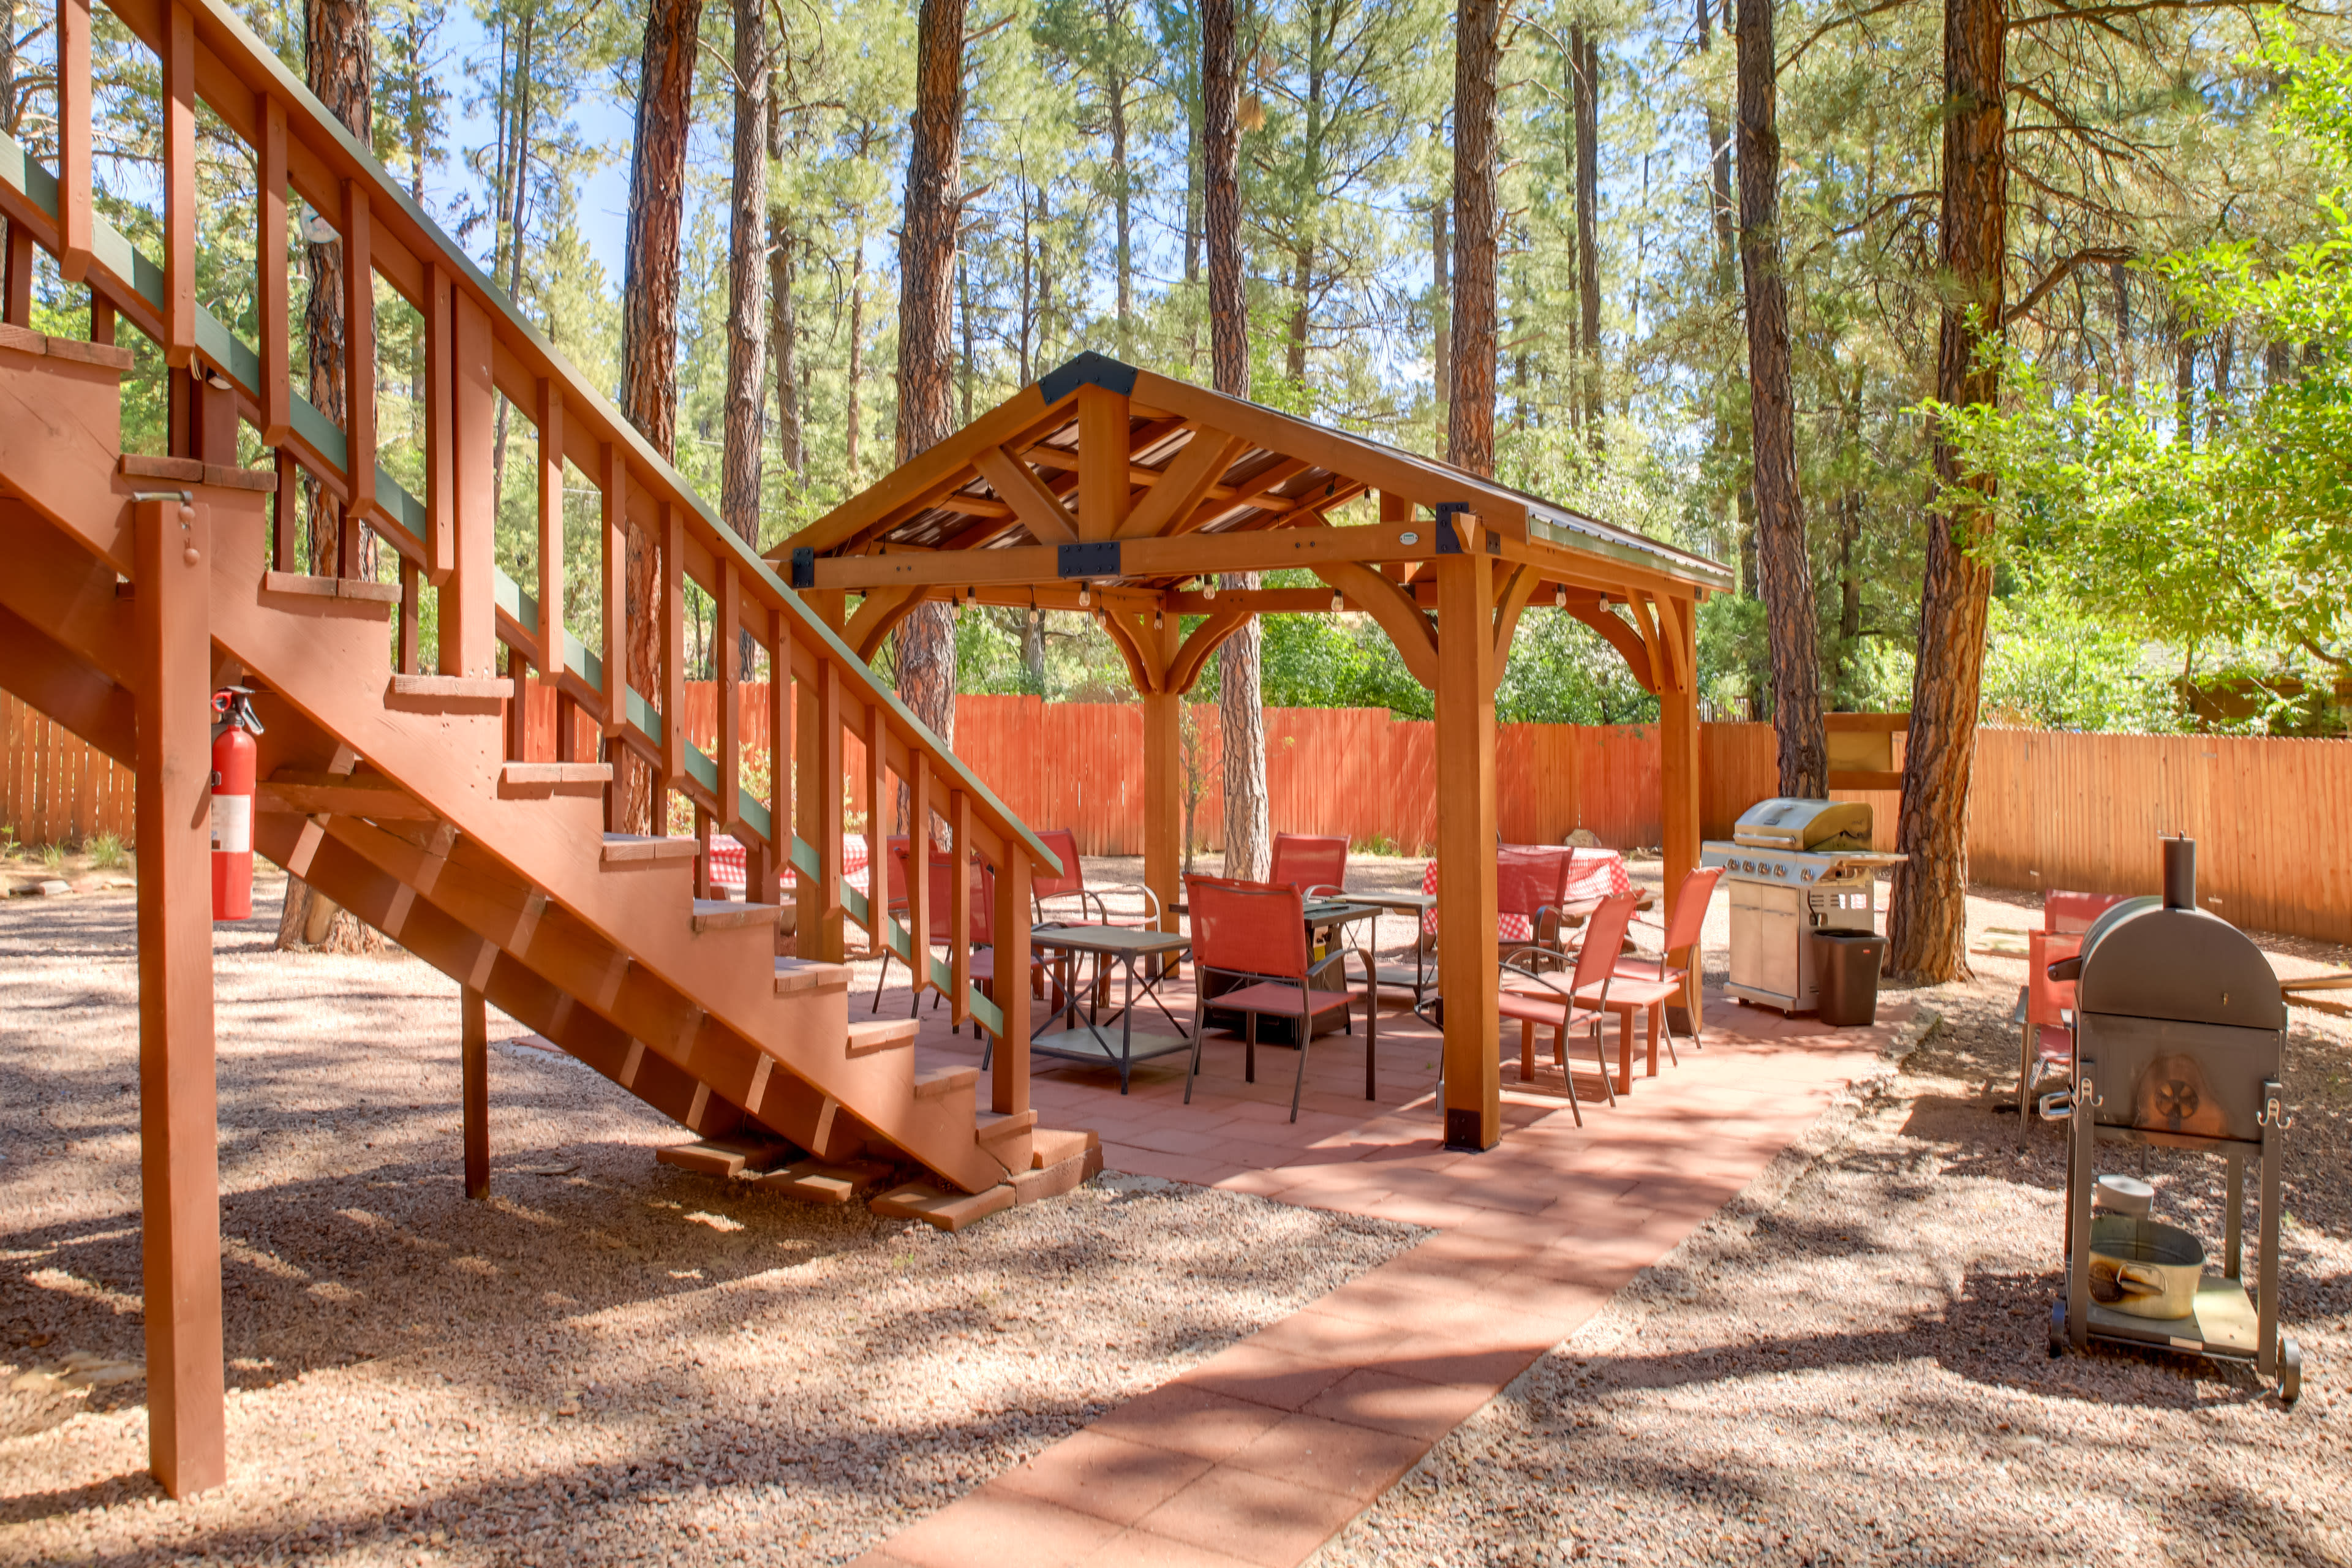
<point>1679,786</point>
<point>1465,848</point>
<point>179,1162</point>
<point>1163,778</point>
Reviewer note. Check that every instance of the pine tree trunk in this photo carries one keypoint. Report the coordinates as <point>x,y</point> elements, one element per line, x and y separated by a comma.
<point>340,56</point>
<point>2184,384</point>
<point>1221,226</point>
<point>746,312</point>
<point>783,328</point>
<point>649,327</point>
<point>926,655</point>
<point>1784,570</point>
<point>1123,221</point>
<point>1586,51</point>
<point>1440,310</point>
<point>1718,165</point>
<point>1927,920</point>
<point>1477,235</point>
<point>1240,707</point>
<point>852,427</point>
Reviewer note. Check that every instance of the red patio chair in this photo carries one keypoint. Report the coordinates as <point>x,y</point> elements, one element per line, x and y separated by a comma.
<point>1538,1000</point>
<point>2045,1046</point>
<point>1257,933</point>
<point>1643,983</point>
<point>1309,862</point>
<point>2072,914</point>
<point>943,890</point>
<point>1072,884</point>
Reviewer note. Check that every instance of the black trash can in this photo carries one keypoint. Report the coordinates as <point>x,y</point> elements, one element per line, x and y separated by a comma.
<point>1849,961</point>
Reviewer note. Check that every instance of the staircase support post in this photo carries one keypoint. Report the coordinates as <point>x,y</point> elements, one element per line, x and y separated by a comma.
<point>474,1031</point>
<point>178,1115</point>
<point>1008,1085</point>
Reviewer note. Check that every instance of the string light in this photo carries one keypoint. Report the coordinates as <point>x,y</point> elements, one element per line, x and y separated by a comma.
<point>1158,620</point>
<point>1338,601</point>
<point>1559,596</point>
<point>1086,597</point>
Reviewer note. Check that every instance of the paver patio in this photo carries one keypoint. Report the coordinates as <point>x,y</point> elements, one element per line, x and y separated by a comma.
<point>1261,1454</point>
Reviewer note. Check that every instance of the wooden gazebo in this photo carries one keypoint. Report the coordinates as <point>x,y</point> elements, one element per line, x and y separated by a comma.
<point>1111,490</point>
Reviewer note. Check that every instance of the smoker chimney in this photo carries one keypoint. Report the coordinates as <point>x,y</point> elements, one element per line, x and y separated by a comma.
<point>2179,873</point>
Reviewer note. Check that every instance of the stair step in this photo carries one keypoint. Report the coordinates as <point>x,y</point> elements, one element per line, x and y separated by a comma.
<point>722,1157</point>
<point>822,1182</point>
<point>990,1127</point>
<point>794,975</point>
<point>447,693</point>
<point>538,780</point>
<point>948,1211</point>
<point>869,1036</point>
<point>186,470</point>
<point>308,792</point>
<point>1053,1145</point>
<point>1005,1138</point>
<point>1067,1175</point>
<point>303,585</point>
<point>648,849</point>
<point>941,1082</point>
<point>726,914</point>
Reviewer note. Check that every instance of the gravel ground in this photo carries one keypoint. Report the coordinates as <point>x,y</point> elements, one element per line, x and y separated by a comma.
<point>1847,1364</point>
<point>610,1361</point>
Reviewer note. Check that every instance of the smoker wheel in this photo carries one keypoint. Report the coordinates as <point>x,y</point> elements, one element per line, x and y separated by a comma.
<point>2290,1370</point>
<point>2057,1329</point>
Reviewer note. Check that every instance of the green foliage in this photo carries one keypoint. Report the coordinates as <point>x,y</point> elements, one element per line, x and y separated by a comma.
<point>106,851</point>
<point>2242,542</point>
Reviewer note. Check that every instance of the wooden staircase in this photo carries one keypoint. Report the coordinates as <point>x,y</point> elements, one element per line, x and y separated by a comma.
<point>407,793</point>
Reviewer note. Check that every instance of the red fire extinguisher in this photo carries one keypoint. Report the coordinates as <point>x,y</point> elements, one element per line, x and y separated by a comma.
<point>233,769</point>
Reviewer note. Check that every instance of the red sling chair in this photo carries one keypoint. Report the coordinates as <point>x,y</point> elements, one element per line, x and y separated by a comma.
<point>1257,933</point>
<point>1542,1002</point>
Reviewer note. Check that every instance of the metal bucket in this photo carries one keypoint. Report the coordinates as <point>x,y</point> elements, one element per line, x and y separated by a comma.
<point>2143,1268</point>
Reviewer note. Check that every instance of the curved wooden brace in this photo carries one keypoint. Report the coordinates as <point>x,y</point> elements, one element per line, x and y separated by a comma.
<point>1509,604</point>
<point>1184,671</point>
<point>877,617</point>
<point>1129,643</point>
<point>1618,634</point>
<point>1675,628</point>
<point>1392,608</point>
<point>1646,618</point>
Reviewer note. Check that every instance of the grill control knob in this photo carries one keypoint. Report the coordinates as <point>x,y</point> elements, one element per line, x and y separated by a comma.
<point>1809,873</point>
<point>1780,870</point>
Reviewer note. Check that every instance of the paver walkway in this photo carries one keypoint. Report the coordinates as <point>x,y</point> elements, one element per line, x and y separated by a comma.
<point>1266,1450</point>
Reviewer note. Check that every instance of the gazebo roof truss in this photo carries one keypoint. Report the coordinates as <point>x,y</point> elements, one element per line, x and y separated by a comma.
<point>1105,488</point>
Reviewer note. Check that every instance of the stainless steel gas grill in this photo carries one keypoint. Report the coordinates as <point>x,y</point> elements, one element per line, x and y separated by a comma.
<point>1794,867</point>
<point>2180,1042</point>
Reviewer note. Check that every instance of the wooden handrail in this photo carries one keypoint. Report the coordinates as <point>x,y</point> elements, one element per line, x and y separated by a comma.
<point>477,345</point>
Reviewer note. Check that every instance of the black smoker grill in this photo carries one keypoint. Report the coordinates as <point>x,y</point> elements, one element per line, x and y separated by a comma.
<point>2180,1043</point>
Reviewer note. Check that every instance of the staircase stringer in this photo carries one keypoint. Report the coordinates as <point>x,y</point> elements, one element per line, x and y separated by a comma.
<point>337,678</point>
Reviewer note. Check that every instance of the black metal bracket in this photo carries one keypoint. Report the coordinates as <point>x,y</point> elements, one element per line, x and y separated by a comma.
<point>1449,535</point>
<point>804,568</point>
<point>1087,558</point>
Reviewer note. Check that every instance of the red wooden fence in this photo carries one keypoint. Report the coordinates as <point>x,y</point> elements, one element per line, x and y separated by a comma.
<point>2273,817</point>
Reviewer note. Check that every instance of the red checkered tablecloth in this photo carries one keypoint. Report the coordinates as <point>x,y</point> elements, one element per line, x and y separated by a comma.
<point>1592,874</point>
<point>727,863</point>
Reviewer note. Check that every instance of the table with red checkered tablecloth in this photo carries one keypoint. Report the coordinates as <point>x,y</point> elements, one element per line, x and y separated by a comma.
<point>727,863</point>
<point>1592,874</point>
